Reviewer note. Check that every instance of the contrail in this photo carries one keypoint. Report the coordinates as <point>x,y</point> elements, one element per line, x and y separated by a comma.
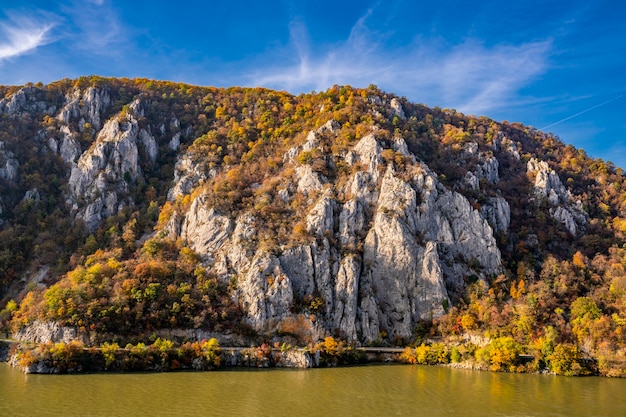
<point>581,112</point>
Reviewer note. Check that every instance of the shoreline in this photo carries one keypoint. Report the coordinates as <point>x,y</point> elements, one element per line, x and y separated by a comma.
<point>83,360</point>
<point>61,358</point>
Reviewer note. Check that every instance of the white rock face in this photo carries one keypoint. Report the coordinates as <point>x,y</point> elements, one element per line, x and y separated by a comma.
<point>320,220</point>
<point>187,176</point>
<point>566,218</point>
<point>312,140</point>
<point>397,109</point>
<point>377,262</point>
<point>102,174</point>
<point>308,181</point>
<point>402,288</point>
<point>32,194</point>
<point>174,143</point>
<point>488,170</point>
<point>368,152</point>
<point>470,181</point>
<point>505,144</point>
<point>351,222</point>
<point>149,144</point>
<point>25,101</point>
<point>88,106</point>
<point>346,297</point>
<point>564,209</point>
<point>547,183</point>
<point>498,213</point>
<point>399,145</point>
<point>204,228</point>
<point>46,332</point>
<point>265,292</point>
<point>70,147</point>
<point>9,166</point>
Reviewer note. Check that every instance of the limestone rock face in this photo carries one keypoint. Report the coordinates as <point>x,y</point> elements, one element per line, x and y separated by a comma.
<point>470,181</point>
<point>498,213</point>
<point>265,292</point>
<point>204,228</point>
<point>46,332</point>
<point>547,183</point>
<point>397,109</point>
<point>26,101</point>
<point>187,176</point>
<point>461,233</point>
<point>346,231</point>
<point>563,207</point>
<point>488,170</point>
<point>69,149</point>
<point>308,181</point>
<point>312,140</point>
<point>9,166</point>
<point>86,106</point>
<point>503,143</point>
<point>320,220</point>
<point>100,178</point>
<point>394,250</point>
<point>368,152</point>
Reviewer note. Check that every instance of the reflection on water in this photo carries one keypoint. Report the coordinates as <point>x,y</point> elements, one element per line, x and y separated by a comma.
<point>363,391</point>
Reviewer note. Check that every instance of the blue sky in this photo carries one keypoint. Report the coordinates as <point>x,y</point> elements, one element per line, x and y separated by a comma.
<point>559,65</point>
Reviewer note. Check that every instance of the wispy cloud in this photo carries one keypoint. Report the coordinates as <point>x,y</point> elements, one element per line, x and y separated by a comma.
<point>20,34</point>
<point>96,27</point>
<point>470,76</point>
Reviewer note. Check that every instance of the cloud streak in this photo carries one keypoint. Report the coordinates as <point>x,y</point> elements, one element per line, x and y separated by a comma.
<point>20,35</point>
<point>581,112</point>
<point>470,76</point>
<point>96,27</point>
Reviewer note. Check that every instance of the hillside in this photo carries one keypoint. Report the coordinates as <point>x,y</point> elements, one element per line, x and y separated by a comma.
<point>135,208</point>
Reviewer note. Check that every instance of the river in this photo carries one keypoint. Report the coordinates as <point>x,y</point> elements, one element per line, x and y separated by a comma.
<point>384,390</point>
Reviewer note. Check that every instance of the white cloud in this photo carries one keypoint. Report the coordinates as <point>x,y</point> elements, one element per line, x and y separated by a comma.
<point>20,35</point>
<point>470,77</point>
<point>96,27</point>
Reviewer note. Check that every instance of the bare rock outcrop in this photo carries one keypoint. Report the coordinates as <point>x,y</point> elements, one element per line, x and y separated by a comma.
<point>488,170</point>
<point>308,180</point>
<point>187,176</point>
<point>397,109</point>
<point>9,165</point>
<point>26,101</point>
<point>204,228</point>
<point>497,212</point>
<point>99,181</point>
<point>48,332</point>
<point>85,106</point>
<point>388,255</point>
<point>563,208</point>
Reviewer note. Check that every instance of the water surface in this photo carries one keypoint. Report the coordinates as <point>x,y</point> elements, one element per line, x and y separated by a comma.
<point>355,391</point>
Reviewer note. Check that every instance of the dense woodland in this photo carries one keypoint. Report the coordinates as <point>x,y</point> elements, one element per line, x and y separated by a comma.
<point>560,298</point>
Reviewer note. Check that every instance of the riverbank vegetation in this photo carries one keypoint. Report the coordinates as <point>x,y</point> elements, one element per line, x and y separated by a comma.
<point>569,317</point>
<point>161,355</point>
<point>167,355</point>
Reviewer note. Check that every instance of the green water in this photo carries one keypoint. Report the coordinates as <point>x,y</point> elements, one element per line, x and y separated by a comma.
<point>358,391</point>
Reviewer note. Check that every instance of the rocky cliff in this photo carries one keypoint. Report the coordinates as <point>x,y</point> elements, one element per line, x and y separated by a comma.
<point>354,213</point>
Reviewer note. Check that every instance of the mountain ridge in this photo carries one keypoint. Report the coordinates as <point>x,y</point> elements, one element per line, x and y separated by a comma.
<point>135,206</point>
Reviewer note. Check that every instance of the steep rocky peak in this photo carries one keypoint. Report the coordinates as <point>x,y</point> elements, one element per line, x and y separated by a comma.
<point>99,181</point>
<point>84,106</point>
